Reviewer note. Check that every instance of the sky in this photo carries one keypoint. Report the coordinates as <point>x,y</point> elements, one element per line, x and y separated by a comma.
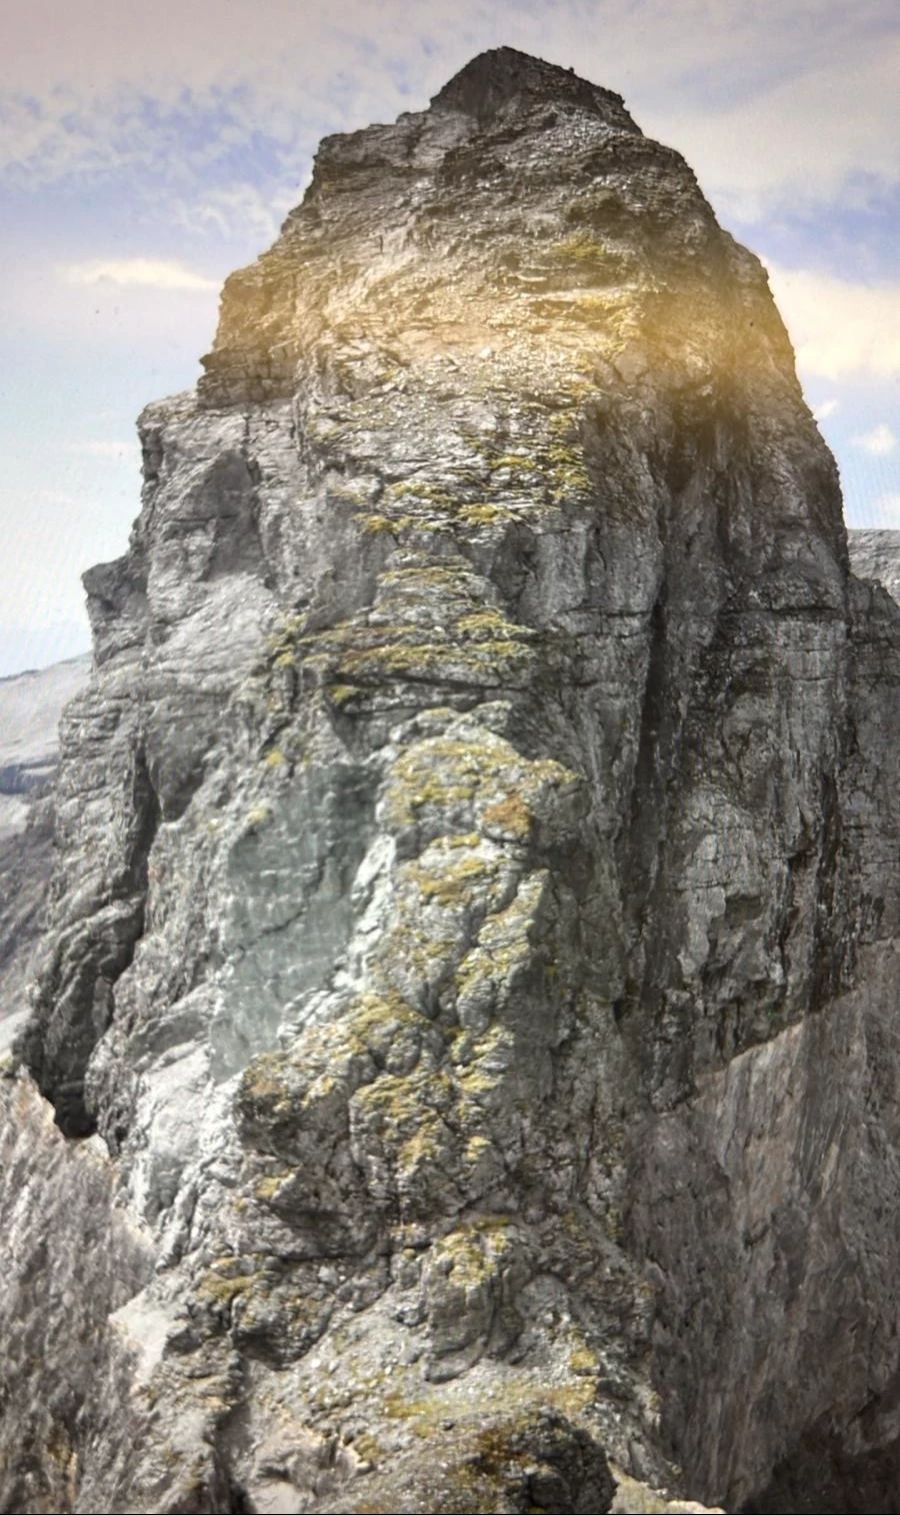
<point>146,150</point>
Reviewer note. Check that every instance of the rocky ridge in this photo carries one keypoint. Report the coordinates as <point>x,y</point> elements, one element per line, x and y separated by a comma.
<point>474,938</point>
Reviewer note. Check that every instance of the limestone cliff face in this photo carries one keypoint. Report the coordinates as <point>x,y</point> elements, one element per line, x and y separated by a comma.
<point>475,931</point>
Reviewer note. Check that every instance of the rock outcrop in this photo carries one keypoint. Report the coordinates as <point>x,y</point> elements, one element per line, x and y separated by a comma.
<point>474,938</point>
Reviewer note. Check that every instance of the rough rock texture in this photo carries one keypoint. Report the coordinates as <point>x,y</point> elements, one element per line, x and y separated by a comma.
<point>473,932</point>
<point>876,555</point>
<point>30,708</point>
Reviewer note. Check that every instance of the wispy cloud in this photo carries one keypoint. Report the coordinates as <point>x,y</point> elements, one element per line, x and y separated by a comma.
<point>818,129</point>
<point>880,441</point>
<point>239,208</point>
<point>137,273</point>
<point>801,98</point>
<point>826,409</point>
<point>839,327</point>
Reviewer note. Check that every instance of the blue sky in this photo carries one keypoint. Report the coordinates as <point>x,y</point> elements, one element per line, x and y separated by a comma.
<point>145,151</point>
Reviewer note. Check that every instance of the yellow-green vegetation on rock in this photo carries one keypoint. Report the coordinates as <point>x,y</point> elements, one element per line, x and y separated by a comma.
<point>374,525</point>
<point>481,1063</point>
<point>340,695</point>
<point>401,1101</point>
<point>510,816</point>
<point>480,624</point>
<point>405,584</point>
<point>258,816</point>
<point>284,636</point>
<point>442,876</point>
<point>472,773</point>
<point>583,249</point>
<point>485,514</point>
<point>582,1358</point>
<point>513,461</point>
<point>400,1121</point>
<point>376,1067</point>
<point>226,1279</point>
<point>264,1078</point>
<point>380,525</point>
<point>476,1147</point>
<point>425,1146</point>
<point>503,949</point>
<point>267,1187</point>
<point>224,1290</point>
<point>471,1254</point>
<point>345,493</point>
<point>530,1456</point>
<point>420,489</point>
<point>429,622</point>
<point>444,772</point>
<point>411,504</point>
<point>554,461</point>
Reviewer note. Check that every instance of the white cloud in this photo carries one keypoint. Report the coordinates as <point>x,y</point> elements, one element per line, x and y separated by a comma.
<point>826,409</point>
<point>839,327</point>
<point>142,273</point>
<point>880,441</point>
<point>242,208</point>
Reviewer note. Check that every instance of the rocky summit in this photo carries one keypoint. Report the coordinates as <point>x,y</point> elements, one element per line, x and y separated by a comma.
<point>462,1065</point>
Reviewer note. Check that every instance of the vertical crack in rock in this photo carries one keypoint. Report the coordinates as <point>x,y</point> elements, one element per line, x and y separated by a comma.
<point>78,991</point>
<point>474,928</point>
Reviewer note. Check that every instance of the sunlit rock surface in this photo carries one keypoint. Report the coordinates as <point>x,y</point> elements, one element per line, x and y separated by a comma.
<point>474,931</point>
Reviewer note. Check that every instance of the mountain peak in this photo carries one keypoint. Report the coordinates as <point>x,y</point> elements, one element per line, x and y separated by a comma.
<point>494,78</point>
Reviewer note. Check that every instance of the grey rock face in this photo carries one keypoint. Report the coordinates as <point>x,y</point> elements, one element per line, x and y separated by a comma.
<point>876,555</point>
<point>473,935</point>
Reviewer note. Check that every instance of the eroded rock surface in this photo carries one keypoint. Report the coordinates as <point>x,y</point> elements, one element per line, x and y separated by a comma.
<point>473,931</point>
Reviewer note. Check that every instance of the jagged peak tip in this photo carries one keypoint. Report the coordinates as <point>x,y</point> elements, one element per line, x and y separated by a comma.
<point>500,74</point>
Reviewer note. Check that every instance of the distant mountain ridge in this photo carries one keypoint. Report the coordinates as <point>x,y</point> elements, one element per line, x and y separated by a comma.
<point>875,554</point>
<point>31,705</point>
